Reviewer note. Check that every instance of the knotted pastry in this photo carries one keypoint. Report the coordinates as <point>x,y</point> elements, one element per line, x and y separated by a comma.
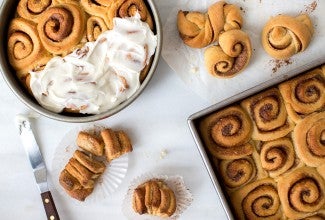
<point>231,56</point>
<point>304,95</point>
<point>269,115</point>
<point>128,8</point>
<point>257,200</point>
<point>154,198</point>
<point>283,35</point>
<point>117,143</point>
<point>95,26</point>
<point>90,143</point>
<point>301,193</point>
<point>25,50</point>
<point>198,29</point>
<point>31,9</point>
<point>277,156</point>
<point>61,28</point>
<point>226,133</point>
<point>309,139</point>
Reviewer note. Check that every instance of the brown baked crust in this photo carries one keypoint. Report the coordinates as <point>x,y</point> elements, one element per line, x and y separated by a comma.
<point>90,163</point>
<point>90,143</point>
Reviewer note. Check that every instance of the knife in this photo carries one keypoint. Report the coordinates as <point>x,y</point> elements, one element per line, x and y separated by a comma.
<point>37,163</point>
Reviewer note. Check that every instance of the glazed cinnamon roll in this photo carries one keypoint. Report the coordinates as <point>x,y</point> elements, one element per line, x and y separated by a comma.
<point>283,36</point>
<point>31,9</point>
<point>269,115</point>
<point>25,47</point>
<point>128,8</point>
<point>301,193</point>
<point>61,28</point>
<point>304,95</point>
<point>198,29</point>
<point>309,139</point>
<point>95,26</point>
<point>257,200</point>
<point>226,133</point>
<point>231,56</point>
<point>277,156</point>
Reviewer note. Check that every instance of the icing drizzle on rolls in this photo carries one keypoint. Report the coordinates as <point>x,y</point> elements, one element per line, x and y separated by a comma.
<point>101,74</point>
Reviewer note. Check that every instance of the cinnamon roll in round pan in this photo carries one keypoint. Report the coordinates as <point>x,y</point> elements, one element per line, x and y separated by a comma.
<point>309,139</point>
<point>31,9</point>
<point>95,26</point>
<point>301,193</point>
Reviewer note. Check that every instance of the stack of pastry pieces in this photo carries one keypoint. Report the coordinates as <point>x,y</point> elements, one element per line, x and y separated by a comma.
<point>84,168</point>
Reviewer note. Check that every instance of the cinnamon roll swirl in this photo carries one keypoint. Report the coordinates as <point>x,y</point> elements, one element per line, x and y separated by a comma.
<point>31,9</point>
<point>283,36</point>
<point>304,95</point>
<point>61,28</point>
<point>97,8</point>
<point>128,8</point>
<point>277,156</point>
<point>258,200</point>
<point>24,47</point>
<point>309,139</point>
<point>226,133</point>
<point>269,115</point>
<point>231,56</point>
<point>301,193</point>
<point>95,26</point>
<point>198,29</point>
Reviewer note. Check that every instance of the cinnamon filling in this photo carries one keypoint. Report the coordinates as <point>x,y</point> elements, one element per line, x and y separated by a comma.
<point>37,6</point>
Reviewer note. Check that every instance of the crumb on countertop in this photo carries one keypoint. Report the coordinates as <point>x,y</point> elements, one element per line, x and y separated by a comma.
<point>277,64</point>
<point>194,69</point>
<point>163,153</point>
<point>310,7</point>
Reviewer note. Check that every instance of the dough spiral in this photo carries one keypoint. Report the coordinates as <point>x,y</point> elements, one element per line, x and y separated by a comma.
<point>301,192</point>
<point>31,9</point>
<point>305,94</point>
<point>309,139</point>
<point>283,36</point>
<point>227,133</point>
<point>269,115</point>
<point>231,56</point>
<point>95,26</point>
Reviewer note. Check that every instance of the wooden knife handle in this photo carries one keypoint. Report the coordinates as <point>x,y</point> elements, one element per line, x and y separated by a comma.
<point>50,209</point>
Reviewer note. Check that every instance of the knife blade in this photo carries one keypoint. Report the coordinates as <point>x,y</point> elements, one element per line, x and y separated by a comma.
<point>37,163</point>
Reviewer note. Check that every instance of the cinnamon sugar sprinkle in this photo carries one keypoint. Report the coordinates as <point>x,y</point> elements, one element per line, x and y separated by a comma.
<point>310,8</point>
<point>277,64</point>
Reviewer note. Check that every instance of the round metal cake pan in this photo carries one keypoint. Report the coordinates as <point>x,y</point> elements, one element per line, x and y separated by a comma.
<point>7,10</point>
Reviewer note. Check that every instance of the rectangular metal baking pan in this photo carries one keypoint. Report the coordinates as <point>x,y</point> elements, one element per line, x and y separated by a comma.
<point>193,124</point>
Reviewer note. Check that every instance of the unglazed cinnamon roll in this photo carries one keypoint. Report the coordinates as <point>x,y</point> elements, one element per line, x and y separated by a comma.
<point>24,47</point>
<point>128,8</point>
<point>269,115</point>
<point>226,133</point>
<point>304,95</point>
<point>96,8</point>
<point>231,56</point>
<point>31,9</point>
<point>284,36</point>
<point>95,26</point>
<point>301,193</point>
<point>198,29</point>
<point>61,28</point>
<point>277,156</point>
<point>258,200</point>
<point>309,139</point>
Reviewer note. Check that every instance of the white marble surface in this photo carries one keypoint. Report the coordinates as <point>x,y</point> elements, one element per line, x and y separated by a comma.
<point>156,121</point>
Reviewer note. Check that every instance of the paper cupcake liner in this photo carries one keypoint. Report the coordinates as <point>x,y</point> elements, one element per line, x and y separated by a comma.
<point>176,183</point>
<point>108,182</point>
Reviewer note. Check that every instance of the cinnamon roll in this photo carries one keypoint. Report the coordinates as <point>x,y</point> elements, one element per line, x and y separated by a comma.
<point>269,115</point>
<point>231,56</point>
<point>97,8</point>
<point>61,28</point>
<point>31,9</point>
<point>198,29</point>
<point>301,193</point>
<point>304,95</point>
<point>95,26</point>
<point>226,133</point>
<point>284,36</point>
<point>128,8</point>
<point>25,47</point>
<point>277,156</point>
<point>309,139</point>
<point>257,200</point>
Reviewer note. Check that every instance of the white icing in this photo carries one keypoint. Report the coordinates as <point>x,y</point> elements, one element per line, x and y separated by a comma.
<point>101,74</point>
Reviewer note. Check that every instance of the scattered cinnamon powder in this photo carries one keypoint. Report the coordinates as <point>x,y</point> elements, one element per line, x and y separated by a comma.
<point>277,64</point>
<point>311,7</point>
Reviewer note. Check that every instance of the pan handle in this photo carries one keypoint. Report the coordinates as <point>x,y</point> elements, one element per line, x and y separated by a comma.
<point>50,209</point>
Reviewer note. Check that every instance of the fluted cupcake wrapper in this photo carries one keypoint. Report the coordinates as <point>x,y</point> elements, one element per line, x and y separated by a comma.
<point>176,183</point>
<point>108,182</point>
